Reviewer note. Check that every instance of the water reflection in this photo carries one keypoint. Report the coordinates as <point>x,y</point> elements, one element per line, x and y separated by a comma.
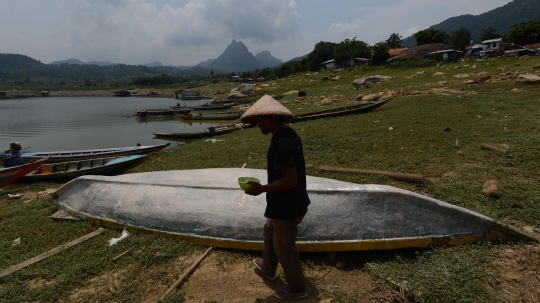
<point>68,123</point>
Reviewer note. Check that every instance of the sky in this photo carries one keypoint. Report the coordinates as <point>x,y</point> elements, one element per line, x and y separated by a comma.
<point>186,32</point>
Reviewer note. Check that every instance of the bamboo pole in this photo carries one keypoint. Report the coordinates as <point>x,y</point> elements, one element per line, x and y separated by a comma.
<point>49,253</point>
<point>491,147</point>
<point>181,279</point>
<point>398,176</point>
<point>117,257</point>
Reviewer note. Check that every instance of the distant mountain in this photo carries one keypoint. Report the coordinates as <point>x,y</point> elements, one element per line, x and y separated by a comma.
<point>154,64</point>
<point>235,58</point>
<point>206,63</point>
<point>299,58</point>
<point>79,62</point>
<point>501,19</point>
<point>267,60</point>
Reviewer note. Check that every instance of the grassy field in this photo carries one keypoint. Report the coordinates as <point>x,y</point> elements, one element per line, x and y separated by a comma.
<point>415,132</point>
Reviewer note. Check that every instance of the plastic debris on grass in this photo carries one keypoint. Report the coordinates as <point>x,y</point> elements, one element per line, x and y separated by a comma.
<point>114,241</point>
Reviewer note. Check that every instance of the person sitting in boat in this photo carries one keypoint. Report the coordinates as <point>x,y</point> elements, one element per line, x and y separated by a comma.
<point>15,148</point>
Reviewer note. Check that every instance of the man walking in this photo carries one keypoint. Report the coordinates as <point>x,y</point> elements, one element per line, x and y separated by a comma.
<point>286,196</point>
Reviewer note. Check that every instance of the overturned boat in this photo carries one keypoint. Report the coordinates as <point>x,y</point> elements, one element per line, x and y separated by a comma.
<point>206,206</point>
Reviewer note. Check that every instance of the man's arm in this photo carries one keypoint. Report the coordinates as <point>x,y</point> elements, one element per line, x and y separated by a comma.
<point>287,181</point>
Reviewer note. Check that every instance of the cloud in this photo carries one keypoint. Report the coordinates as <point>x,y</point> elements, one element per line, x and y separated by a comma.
<point>137,28</point>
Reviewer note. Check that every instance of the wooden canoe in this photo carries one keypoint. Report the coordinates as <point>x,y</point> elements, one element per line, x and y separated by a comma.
<point>109,166</point>
<point>332,112</point>
<point>78,155</point>
<point>197,135</point>
<point>211,117</point>
<point>206,206</point>
<point>12,174</point>
<point>207,106</point>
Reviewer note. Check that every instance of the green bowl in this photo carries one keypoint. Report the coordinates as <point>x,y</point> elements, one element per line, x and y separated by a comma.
<point>242,182</point>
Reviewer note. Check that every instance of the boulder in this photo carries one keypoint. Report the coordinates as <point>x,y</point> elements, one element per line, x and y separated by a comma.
<point>386,97</point>
<point>370,80</point>
<point>372,97</point>
<point>482,77</point>
<point>326,78</point>
<point>438,74</point>
<point>326,102</point>
<point>461,76</point>
<point>468,82</point>
<point>536,66</point>
<point>236,95</point>
<point>359,97</point>
<point>528,79</point>
<point>245,89</point>
<point>302,93</point>
<point>335,78</point>
<point>493,189</point>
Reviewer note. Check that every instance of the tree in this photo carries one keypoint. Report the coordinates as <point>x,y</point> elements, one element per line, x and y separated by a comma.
<point>348,49</point>
<point>488,34</point>
<point>323,51</point>
<point>524,33</point>
<point>460,38</point>
<point>394,41</point>
<point>380,53</point>
<point>431,35</point>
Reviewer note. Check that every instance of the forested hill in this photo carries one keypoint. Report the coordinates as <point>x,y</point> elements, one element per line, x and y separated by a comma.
<point>23,68</point>
<point>501,19</point>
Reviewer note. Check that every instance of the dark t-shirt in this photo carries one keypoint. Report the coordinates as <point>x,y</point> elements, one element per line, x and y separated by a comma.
<point>286,152</point>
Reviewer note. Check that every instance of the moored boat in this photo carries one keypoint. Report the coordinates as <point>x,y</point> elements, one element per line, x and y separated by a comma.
<point>206,206</point>
<point>210,132</point>
<point>77,155</point>
<point>230,116</point>
<point>207,106</point>
<point>70,170</point>
<point>12,174</point>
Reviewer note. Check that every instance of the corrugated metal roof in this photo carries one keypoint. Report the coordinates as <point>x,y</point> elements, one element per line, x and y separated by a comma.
<point>492,40</point>
<point>329,61</point>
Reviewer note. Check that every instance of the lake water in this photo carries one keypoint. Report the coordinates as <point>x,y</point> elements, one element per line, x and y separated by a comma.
<point>68,123</point>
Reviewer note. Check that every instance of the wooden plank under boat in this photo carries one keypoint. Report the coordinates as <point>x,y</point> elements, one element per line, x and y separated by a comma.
<point>70,170</point>
<point>77,155</point>
<point>206,206</point>
<point>221,101</point>
<point>12,174</point>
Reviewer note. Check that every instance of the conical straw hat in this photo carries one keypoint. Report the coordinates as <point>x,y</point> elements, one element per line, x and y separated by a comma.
<point>266,106</point>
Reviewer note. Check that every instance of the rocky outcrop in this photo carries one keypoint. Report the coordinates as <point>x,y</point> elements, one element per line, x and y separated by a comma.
<point>528,79</point>
<point>242,91</point>
<point>370,80</point>
<point>493,189</point>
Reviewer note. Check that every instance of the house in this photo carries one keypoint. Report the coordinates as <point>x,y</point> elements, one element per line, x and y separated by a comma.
<point>122,93</point>
<point>328,64</point>
<point>187,95</point>
<point>396,51</point>
<point>353,62</point>
<point>535,47</point>
<point>518,51</point>
<point>446,55</point>
<point>493,47</point>
<point>416,52</point>
<point>476,50</point>
<point>261,79</point>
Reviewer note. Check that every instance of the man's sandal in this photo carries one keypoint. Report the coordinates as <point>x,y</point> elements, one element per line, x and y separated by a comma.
<point>258,262</point>
<point>284,294</point>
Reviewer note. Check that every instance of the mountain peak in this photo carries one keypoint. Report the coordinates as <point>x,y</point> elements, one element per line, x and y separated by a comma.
<point>267,60</point>
<point>235,58</point>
